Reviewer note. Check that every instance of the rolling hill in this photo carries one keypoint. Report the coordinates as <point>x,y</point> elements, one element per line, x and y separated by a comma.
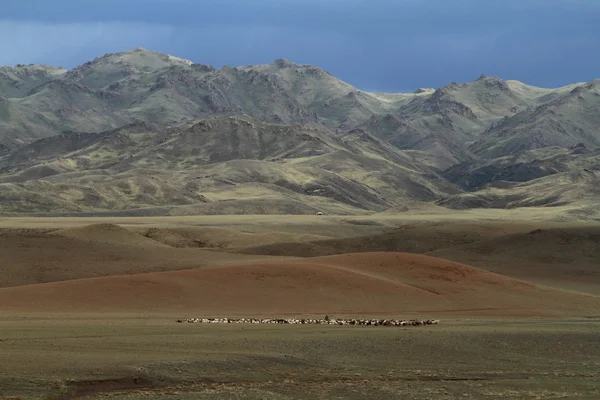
<point>380,283</point>
<point>32,257</point>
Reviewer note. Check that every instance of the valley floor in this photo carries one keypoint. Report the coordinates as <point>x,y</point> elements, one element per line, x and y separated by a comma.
<point>88,306</point>
<point>118,357</point>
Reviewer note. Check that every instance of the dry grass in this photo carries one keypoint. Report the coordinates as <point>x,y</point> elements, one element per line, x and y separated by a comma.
<point>116,337</point>
<point>132,358</point>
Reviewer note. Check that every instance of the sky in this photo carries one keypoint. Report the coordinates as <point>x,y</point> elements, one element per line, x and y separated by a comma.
<point>376,45</point>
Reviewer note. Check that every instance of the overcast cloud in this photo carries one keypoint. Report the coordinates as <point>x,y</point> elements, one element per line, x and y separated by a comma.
<point>384,45</point>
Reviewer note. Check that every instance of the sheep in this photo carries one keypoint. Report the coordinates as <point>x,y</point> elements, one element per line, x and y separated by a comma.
<point>303,321</point>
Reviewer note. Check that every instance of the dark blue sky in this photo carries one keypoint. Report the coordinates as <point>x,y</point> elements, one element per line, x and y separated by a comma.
<point>382,45</point>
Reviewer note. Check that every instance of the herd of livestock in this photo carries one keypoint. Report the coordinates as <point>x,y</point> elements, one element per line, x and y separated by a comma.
<point>307,321</point>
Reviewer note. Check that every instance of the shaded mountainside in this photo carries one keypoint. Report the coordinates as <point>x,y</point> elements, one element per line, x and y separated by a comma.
<point>216,160</point>
<point>447,124</point>
<point>141,130</point>
<point>554,190</point>
<point>523,166</point>
<point>568,119</point>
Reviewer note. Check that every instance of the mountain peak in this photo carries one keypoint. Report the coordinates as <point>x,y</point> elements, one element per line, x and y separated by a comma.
<point>283,63</point>
<point>256,118</point>
<point>137,58</point>
<point>113,67</point>
<point>494,82</point>
<point>424,90</point>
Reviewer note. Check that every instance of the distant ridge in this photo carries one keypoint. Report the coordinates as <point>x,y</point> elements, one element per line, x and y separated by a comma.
<point>145,132</point>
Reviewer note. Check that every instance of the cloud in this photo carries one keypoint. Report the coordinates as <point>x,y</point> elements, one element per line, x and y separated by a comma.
<point>330,14</point>
<point>69,44</point>
<point>386,45</point>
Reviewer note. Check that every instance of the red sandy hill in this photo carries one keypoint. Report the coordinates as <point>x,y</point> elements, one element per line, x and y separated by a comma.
<point>349,284</point>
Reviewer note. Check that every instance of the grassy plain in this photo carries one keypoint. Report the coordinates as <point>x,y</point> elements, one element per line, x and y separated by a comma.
<point>154,358</point>
<point>49,351</point>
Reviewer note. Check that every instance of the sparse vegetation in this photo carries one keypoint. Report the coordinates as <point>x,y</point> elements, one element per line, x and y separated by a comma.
<point>144,133</point>
<point>475,203</point>
<point>116,337</point>
<point>151,358</point>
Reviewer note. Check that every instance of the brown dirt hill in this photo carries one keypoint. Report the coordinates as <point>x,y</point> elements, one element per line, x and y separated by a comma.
<point>31,257</point>
<point>109,234</point>
<point>558,257</point>
<point>212,237</point>
<point>351,284</point>
<point>416,238</point>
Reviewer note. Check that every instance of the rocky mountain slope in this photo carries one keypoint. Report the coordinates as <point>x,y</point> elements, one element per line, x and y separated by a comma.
<point>215,159</point>
<point>565,120</point>
<point>142,132</point>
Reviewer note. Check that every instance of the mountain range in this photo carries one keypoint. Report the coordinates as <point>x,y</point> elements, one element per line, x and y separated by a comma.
<point>145,133</point>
